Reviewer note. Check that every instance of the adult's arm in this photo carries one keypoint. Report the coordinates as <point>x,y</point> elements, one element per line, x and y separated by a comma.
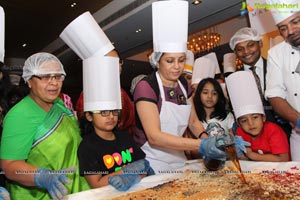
<point>284,109</point>
<point>19,171</point>
<point>195,124</point>
<point>276,91</point>
<point>149,117</point>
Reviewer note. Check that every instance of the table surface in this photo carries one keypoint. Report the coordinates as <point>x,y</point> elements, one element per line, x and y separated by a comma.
<point>109,192</point>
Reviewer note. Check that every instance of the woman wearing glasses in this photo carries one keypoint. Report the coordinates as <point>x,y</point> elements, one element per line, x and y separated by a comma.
<point>41,136</point>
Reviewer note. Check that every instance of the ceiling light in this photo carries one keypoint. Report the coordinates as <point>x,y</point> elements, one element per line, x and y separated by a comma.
<point>24,45</point>
<point>138,30</point>
<point>196,2</point>
<point>73,4</point>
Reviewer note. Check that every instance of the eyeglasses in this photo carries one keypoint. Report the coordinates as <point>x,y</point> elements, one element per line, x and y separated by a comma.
<point>106,113</point>
<point>48,78</point>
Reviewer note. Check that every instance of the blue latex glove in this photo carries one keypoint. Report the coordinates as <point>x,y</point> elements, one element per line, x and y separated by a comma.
<point>208,149</point>
<point>53,181</point>
<point>4,195</point>
<point>240,146</point>
<point>150,171</point>
<point>123,182</point>
<point>234,128</point>
<point>138,167</point>
<point>298,124</point>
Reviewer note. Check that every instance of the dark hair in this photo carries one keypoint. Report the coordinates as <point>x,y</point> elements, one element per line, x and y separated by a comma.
<point>220,111</point>
<point>86,126</point>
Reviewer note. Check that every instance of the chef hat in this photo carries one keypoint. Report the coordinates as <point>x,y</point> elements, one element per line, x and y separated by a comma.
<point>85,37</point>
<point>189,63</point>
<point>229,63</point>
<point>243,93</point>
<point>101,83</point>
<point>213,57</point>
<point>203,68</point>
<point>242,35</point>
<point>280,14</point>
<point>2,27</point>
<point>170,26</point>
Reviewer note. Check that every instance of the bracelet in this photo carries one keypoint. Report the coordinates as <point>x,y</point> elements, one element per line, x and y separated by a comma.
<point>203,132</point>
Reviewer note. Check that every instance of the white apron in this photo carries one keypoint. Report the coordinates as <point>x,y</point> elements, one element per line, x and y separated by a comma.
<point>173,120</point>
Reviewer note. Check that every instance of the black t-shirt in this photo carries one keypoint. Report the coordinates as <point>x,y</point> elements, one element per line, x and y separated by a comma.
<point>99,156</point>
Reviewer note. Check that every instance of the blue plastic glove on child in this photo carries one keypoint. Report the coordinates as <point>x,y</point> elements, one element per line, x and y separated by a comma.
<point>138,167</point>
<point>208,149</point>
<point>4,195</point>
<point>240,146</point>
<point>53,181</point>
<point>123,182</point>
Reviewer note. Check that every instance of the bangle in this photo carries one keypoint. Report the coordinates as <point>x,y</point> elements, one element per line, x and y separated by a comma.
<point>203,132</point>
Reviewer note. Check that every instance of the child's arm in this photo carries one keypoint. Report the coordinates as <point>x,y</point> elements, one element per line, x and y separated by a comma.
<point>267,157</point>
<point>98,180</point>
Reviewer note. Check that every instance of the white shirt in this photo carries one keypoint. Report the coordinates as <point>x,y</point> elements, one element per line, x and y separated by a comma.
<point>281,79</point>
<point>259,71</point>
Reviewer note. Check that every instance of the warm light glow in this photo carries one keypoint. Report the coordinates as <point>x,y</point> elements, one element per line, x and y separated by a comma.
<point>73,4</point>
<point>196,2</point>
<point>204,41</point>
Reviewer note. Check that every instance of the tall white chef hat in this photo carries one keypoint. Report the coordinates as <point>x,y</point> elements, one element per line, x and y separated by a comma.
<point>189,63</point>
<point>85,37</point>
<point>282,9</point>
<point>203,68</point>
<point>229,63</point>
<point>243,93</point>
<point>213,57</point>
<point>2,27</point>
<point>170,26</point>
<point>101,83</point>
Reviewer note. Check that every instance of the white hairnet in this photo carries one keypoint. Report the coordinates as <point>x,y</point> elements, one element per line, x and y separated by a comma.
<point>135,81</point>
<point>34,65</point>
<point>154,58</point>
<point>243,35</point>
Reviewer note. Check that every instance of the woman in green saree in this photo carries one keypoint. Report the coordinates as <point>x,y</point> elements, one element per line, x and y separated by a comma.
<point>41,136</point>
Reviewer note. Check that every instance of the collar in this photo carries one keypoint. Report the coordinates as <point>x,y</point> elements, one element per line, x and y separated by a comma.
<point>259,64</point>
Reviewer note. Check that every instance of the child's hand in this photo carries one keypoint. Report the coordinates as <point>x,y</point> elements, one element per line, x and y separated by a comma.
<point>240,146</point>
<point>123,182</point>
<point>138,167</point>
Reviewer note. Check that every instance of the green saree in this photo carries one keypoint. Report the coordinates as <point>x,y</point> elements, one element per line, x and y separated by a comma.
<point>54,148</point>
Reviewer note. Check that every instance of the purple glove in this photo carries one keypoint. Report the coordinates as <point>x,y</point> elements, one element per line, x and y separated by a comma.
<point>123,182</point>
